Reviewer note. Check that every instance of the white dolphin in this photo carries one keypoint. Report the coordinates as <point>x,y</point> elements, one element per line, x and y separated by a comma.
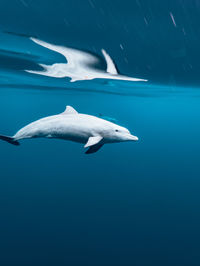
<point>78,65</point>
<point>94,132</point>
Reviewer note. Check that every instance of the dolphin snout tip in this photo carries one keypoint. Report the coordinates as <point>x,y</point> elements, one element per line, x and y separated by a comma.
<point>134,138</point>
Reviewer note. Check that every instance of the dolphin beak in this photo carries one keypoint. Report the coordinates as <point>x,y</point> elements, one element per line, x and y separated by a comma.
<point>134,138</point>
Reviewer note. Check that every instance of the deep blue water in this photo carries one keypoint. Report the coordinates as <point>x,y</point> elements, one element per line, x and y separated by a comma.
<point>130,203</point>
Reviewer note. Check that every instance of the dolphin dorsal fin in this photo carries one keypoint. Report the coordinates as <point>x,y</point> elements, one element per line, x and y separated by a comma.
<point>69,111</point>
<point>111,68</point>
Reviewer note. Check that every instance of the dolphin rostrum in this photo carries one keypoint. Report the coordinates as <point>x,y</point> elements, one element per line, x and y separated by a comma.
<point>93,131</point>
<point>79,65</point>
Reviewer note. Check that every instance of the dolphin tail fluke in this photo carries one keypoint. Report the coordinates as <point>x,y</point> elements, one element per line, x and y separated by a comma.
<point>10,140</point>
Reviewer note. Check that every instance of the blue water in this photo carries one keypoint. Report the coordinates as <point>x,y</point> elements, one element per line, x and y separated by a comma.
<point>129,203</point>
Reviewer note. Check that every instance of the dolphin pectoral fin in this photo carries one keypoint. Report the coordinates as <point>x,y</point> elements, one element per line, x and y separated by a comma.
<point>69,111</point>
<point>93,141</point>
<point>94,144</point>
<point>94,148</point>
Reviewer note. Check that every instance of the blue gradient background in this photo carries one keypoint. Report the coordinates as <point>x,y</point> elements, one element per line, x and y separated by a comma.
<point>130,203</point>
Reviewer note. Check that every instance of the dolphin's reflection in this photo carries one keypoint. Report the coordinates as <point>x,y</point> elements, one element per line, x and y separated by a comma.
<point>79,65</point>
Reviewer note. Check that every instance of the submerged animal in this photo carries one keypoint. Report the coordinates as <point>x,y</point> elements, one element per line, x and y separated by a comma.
<point>93,131</point>
<point>79,65</point>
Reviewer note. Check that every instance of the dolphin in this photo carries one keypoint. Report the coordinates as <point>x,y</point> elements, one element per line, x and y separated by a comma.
<point>79,65</point>
<point>90,130</point>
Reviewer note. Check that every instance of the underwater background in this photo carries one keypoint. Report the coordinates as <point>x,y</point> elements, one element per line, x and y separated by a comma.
<point>132,204</point>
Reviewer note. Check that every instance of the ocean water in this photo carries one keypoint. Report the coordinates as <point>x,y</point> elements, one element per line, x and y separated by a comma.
<point>134,204</point>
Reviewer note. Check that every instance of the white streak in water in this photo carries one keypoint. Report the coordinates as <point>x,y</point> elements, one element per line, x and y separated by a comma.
<point>121,46</point>
<point>173,20</point>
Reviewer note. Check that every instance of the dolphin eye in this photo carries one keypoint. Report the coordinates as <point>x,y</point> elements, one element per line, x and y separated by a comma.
<point>116,130</point>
